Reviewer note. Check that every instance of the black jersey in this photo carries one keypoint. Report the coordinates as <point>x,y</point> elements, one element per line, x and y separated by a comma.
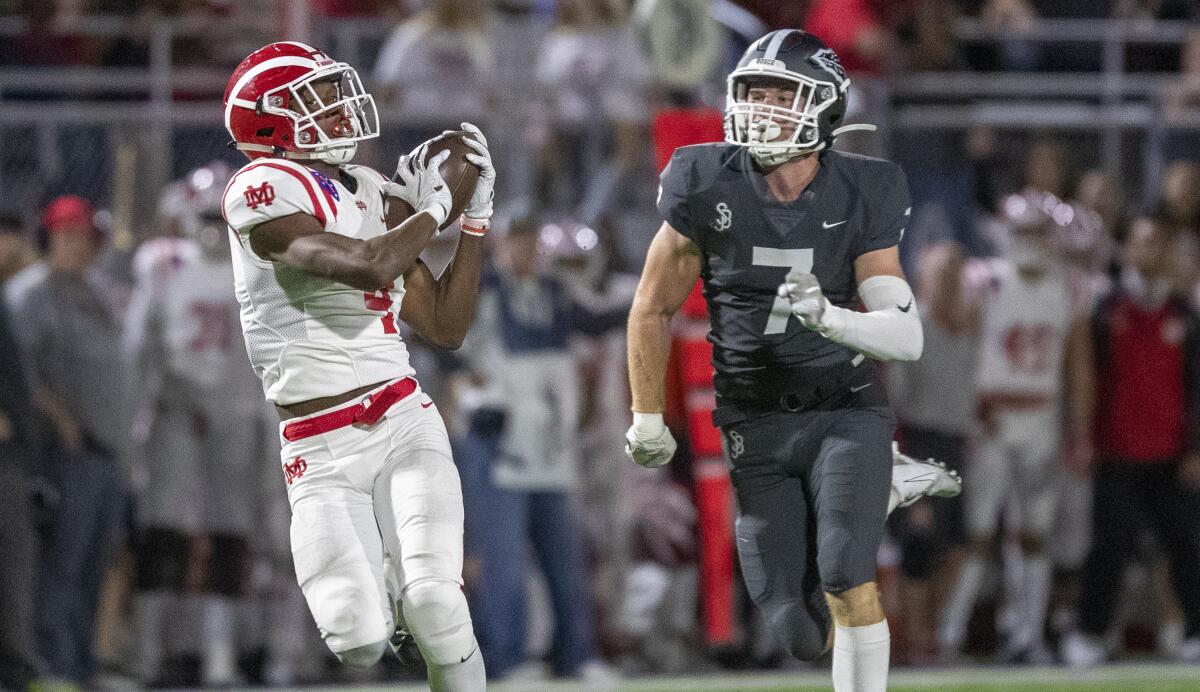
<point>749,241</point>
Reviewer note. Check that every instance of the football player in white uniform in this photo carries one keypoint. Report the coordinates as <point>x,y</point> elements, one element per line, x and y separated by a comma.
<point>323,271</point>
<point>1032,329</point>
<point>196,507</point>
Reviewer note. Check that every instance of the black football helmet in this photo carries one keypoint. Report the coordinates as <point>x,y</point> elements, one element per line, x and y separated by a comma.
<point>800,59</point>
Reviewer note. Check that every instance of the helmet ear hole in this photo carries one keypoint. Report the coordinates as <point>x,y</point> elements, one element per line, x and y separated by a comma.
<point>265,132</point>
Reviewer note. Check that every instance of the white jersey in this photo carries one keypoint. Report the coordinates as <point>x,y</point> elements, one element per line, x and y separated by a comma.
<point>309,337</point>
<point>183,324</point>
<point>1023,334</point>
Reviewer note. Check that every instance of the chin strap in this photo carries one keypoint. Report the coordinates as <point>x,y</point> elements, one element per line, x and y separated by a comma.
<point>278,153</point>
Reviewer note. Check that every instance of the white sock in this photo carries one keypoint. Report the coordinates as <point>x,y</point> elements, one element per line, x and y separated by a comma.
<point>860,658</point>
<point>1035,599</point>
<point>957,613</point>
<point>220,652</point>
<point>1011,611</point>
<point>465,676</point>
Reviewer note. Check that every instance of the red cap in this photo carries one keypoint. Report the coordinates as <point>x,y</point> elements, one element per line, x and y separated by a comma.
<point>68,213</point>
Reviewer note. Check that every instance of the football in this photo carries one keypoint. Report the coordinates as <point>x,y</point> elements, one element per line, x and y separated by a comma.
<point>461,175</point>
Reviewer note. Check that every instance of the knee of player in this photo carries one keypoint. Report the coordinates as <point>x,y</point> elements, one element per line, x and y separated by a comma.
<point>802,633</point>
<point>807,648</point>
<point>840,564</point>
<point>347,612</point>
<point>362,656</point>
<point>802,644</point>
<point>435,611</point>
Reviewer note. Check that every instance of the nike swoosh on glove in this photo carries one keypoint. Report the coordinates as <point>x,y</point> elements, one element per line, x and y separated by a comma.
<point>648,441</point>
<point>803,293</point>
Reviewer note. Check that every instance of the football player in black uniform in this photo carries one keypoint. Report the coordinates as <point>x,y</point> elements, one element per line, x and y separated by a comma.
<point>786,234</point>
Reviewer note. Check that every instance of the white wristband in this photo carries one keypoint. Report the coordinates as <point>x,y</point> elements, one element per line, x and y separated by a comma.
<point>475,227</point>
<point>649,423</point>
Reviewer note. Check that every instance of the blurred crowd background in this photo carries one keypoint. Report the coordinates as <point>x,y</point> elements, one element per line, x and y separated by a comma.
<point>143,522</point>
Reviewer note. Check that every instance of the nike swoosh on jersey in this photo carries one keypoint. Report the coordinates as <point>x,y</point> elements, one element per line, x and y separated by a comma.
<point>906,308</point>
<point>464,658</point>
<point>826,224</point>
<point>427,404</point>
<point>860,387</point>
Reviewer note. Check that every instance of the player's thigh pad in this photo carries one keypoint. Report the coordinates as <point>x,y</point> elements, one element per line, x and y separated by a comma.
<point>850,481</point>
<point>335,539</point>
<point>986,485</point>
<point>418,499</point>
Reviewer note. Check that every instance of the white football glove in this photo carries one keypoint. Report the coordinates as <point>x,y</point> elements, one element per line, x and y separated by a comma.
<point>480,206</point>
<point>648,441</point>
<point>803,293</point>
<point>422,185</point>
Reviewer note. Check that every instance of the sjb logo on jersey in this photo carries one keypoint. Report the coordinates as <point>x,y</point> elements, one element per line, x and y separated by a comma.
<point>263,194</point>
<point>737,445</point>
<point>827,60</point>
<point>294,469</point>
<point>724,218</point>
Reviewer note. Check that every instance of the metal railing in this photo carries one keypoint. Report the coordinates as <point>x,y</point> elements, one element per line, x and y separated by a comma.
<point>145,107</point>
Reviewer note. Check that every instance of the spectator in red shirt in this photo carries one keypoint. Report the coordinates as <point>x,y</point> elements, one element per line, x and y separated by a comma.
<point>855,31</point>
<point>1147,432</point>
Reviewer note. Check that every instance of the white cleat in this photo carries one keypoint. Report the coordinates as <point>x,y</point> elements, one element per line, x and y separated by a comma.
<point>913,479</point>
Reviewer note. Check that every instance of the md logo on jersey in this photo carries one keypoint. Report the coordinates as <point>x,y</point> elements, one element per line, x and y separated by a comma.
<point>827,60</point>
<point>326,185</point>
<point>263,194</point>
<point>724,218</point>
<point>294,469</point>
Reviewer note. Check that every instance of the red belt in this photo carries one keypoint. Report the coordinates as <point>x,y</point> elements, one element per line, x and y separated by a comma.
<point>366,412</point>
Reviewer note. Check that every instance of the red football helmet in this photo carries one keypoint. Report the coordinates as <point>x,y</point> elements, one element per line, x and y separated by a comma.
<point>272,109</point>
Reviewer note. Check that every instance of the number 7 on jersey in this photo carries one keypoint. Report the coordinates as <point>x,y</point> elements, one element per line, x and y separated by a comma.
<point>795,260</point>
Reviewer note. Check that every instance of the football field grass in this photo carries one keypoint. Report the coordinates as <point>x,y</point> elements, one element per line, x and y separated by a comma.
<point>1117,678</point>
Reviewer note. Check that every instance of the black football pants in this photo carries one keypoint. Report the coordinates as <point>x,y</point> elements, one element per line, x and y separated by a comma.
<point>812,492</point>
<point>1128,497</point>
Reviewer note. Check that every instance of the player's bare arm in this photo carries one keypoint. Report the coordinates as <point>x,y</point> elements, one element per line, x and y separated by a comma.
<point>672,268</point>
<point>440,310</point>
<point>300,241</point>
